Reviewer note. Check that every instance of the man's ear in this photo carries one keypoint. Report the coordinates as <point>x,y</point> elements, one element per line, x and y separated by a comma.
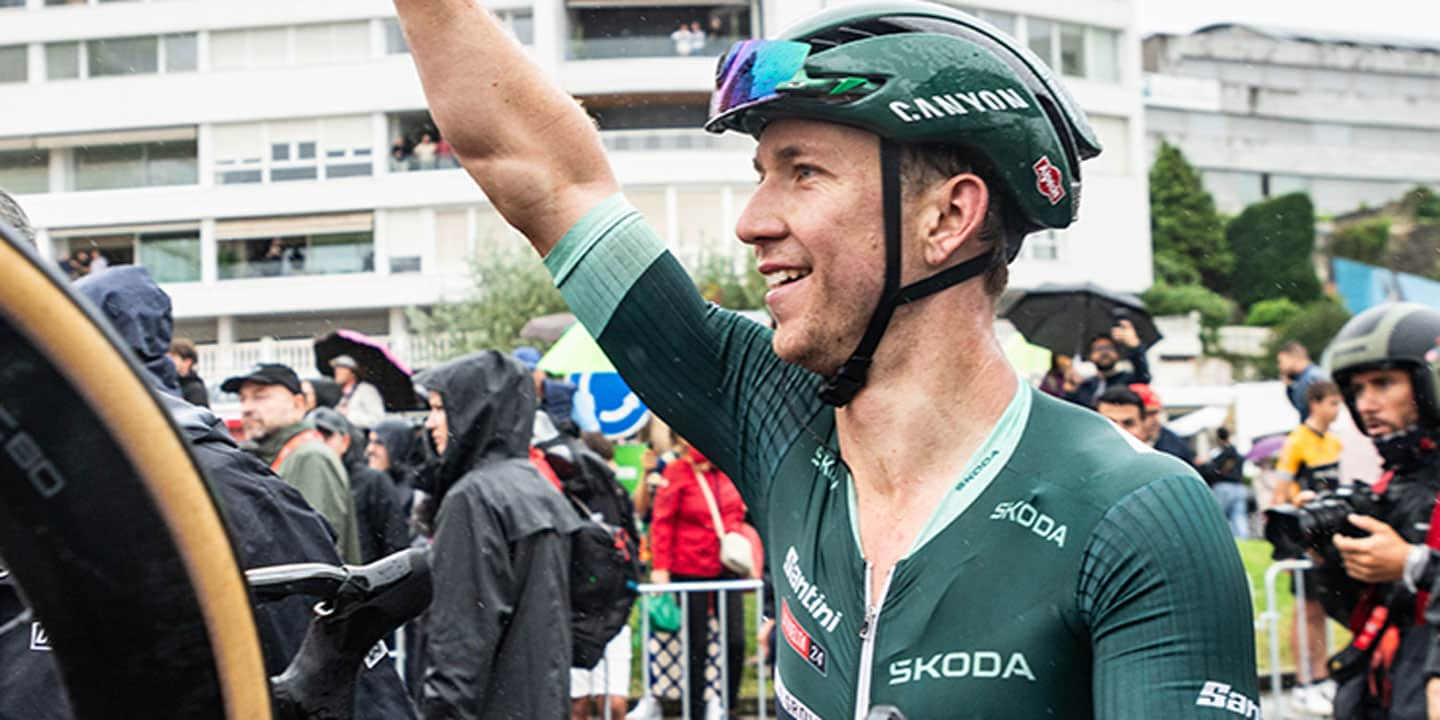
<point>961,204</point>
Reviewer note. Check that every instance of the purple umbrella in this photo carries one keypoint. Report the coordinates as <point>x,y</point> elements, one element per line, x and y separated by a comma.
<point>1265,447</point>
<point>377,366</point>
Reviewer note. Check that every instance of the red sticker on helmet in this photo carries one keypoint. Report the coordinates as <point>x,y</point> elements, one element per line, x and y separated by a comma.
<point>1048,180</point>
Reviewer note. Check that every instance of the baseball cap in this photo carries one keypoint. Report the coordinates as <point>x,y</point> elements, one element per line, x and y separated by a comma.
<point>528,356</point>
<point>1147,395</point>
<point>329,421</point>
<point>267,374</point>
<point>344,361</point>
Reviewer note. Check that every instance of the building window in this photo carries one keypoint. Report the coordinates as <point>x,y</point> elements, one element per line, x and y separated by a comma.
<point>123,56</point>
<point>1075,50</point>
<point>1072,50</point>
<point>25,171</point>
<point>255,48</point>
<point>1044,246</point>
<point>283,151</point>
<point>416,144</point>
<point>14,64</point>
<point>62,61</point>
<point>395,38</point>
<point>106,167</point>
<point>696,31</point>
<point>171,257</point>
<point>181,52</point>
<point>1003,20</point>
<point>1104,55</point>
<point>12,3</point>
<point>287,255</point>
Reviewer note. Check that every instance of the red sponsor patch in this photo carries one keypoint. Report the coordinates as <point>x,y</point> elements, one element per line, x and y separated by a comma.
<point>799,640</point>
<point>1048,180</point>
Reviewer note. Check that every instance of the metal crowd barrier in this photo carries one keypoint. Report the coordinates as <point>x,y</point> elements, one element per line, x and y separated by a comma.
<point>1273,619</point>
<point>722,588</point>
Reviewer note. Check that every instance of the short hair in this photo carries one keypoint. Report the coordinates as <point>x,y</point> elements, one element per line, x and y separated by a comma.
<point>922,164</point>
<point>1121,395</point>
<point>1293,347</point>
<point>13,215</point>
<point>1320,390</point>
<point>1223,433</point>
<point>184,349</point>
<point>1098,337</point>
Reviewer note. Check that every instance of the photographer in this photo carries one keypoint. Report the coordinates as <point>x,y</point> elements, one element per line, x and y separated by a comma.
<point>1376,552</point>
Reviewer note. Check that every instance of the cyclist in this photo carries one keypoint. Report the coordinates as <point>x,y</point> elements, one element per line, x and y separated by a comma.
<point>945,540</point>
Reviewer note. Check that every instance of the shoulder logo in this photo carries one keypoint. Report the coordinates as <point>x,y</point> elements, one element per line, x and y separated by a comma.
<point>1048,180</point>
<point>1025,515</point>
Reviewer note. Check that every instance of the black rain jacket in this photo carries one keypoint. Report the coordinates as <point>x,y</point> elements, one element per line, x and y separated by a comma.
<point>498,631</point>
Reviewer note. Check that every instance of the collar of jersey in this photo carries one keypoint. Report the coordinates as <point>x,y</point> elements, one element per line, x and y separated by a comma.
<point>982,468</point>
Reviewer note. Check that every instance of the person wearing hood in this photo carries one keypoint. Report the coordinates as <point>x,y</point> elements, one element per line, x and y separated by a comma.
<point>378,518</point>
<point>272,407</point>
<point>498,640</point>
<point>268,521</point>
<point>392,449</point>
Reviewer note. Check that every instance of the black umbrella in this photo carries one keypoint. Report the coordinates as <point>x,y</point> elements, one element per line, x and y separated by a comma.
<point>377,366</point>
<point>1064,318</point>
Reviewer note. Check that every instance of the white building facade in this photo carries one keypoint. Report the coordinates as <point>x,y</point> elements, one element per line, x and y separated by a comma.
<point>267,159</point>
<point>1353,121</point>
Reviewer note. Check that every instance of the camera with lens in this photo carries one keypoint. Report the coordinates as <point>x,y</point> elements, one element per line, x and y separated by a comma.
<point>1292,530</point>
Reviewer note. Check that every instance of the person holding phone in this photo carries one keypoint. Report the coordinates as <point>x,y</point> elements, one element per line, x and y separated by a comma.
<point>1105,351</point>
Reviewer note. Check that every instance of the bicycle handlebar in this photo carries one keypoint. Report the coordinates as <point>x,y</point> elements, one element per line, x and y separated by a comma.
<point>363,604</point>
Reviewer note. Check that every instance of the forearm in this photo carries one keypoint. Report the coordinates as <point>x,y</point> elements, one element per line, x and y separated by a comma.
<point>529,145</point>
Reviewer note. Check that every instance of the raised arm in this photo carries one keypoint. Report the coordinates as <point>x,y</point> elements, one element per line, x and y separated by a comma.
<point>530,146</point>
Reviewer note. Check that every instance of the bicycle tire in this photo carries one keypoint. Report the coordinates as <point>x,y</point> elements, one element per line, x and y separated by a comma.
<point>109,529</point>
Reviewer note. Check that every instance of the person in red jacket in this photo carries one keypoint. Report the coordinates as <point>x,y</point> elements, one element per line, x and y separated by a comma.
<point>686,546</point>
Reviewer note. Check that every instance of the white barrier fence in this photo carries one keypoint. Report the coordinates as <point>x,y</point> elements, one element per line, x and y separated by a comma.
<point>649,707</point>
<point>1271,621</point>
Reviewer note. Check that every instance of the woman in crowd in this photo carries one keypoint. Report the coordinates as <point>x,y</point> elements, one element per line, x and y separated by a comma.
<point>685,545</point>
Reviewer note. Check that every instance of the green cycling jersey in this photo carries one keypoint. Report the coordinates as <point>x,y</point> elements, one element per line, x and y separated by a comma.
<point>1070,572</point>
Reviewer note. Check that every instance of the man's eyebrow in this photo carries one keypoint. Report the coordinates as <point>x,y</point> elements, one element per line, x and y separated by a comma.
<point>785,154</point>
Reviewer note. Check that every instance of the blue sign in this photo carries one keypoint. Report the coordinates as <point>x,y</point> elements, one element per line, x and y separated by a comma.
<point>617,408</point>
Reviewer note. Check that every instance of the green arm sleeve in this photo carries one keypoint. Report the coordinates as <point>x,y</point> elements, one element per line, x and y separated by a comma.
<point>708,372</point>
<point>1168,606</point>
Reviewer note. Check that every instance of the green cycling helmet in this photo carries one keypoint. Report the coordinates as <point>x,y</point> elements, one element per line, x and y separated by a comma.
<point>916,72</point>
<point>1395,335</point>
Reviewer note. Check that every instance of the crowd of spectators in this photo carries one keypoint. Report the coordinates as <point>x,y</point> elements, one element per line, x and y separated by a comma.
<point>422,148</point>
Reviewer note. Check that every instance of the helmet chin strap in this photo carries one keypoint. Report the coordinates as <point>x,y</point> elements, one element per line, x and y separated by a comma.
<point>840,388</point>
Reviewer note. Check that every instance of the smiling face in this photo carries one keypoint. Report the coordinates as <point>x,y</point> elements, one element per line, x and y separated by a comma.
<point>816,226</point>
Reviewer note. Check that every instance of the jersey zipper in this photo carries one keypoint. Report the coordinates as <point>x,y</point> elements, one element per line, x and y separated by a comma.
<point>868,627</point>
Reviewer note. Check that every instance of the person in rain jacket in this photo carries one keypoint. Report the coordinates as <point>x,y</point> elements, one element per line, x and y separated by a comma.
<point>498,631</point>
<point>379,519</point>
<point>269,522</point>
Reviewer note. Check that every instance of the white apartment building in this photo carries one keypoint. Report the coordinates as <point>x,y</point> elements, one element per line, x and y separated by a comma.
<point>242,151</point>
<point>1265,111</point>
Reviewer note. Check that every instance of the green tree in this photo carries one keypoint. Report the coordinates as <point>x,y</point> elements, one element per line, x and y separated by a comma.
<point>1269,313</point>
<point>1367,241</point>
<point>509,291</point>
<point>1164,299</point>
<point>1276,239</point>
<point>1186,230</point>
<point>1425,202</point>
<point>1314,326</point>
<point>718,281</point>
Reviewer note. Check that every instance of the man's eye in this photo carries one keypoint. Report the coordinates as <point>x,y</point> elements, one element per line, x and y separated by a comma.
<point>805,171</point>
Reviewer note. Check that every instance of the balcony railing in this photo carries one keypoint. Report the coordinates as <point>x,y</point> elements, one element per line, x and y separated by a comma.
<point>220,361</point>
<point>648,46</point>
<point>661,140</point>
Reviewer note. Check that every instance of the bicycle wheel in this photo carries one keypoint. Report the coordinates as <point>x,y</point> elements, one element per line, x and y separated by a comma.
<point>106,524</point>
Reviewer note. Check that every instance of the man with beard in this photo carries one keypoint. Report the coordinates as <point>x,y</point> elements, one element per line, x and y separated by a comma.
<point>1105,353</point>
<point>272,407</point>
<point>1384,361</point>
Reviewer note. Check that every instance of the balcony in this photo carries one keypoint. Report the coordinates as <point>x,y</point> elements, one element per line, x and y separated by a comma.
<point>656,30</point>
